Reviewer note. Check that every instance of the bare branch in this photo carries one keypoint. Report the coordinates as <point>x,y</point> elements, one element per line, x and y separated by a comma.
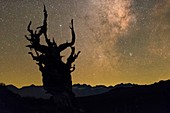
<point>28,28</point>
<point>72,68</point>
<point>29,39</point>
<point>62,47</point>
<point>76,55</point>
<point>73,33</point>
<point>33,57</point>
<point>40,66</point>
<point>43,28</point>
<point>72,58</point>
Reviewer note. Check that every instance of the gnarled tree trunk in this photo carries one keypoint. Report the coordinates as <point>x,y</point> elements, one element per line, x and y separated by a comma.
<point>56,74</point>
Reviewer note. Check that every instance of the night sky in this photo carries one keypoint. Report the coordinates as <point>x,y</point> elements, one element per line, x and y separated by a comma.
<point>120,40</point>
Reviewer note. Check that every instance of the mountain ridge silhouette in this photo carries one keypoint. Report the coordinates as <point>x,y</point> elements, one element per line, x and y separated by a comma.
<point>154,98</point>
<point>80,90</point>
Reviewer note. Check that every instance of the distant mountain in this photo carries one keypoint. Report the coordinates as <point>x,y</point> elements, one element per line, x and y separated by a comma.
<point>30,91</point>
<point>13,103</point>
<point>78,89</point>
<point>39,92</point>
<point>87,90</point>
<point>8,100</point>
<point>154,98</point>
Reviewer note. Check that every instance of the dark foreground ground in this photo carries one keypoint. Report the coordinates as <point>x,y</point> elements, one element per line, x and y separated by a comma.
<point>153,98</point>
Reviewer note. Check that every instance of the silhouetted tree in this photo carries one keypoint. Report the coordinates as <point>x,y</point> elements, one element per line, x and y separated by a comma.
<point>56,74</point>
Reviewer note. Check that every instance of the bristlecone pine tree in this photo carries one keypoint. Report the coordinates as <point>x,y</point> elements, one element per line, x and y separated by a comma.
<point>56,73</point>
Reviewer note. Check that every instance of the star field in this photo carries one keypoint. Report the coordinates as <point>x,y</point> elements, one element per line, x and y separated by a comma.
<point>119,40</point>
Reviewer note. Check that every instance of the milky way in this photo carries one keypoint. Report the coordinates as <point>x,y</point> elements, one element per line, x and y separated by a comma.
<point>120,40</point>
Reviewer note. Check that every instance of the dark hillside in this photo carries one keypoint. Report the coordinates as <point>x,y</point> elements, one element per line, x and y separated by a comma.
<point>153,98</point>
